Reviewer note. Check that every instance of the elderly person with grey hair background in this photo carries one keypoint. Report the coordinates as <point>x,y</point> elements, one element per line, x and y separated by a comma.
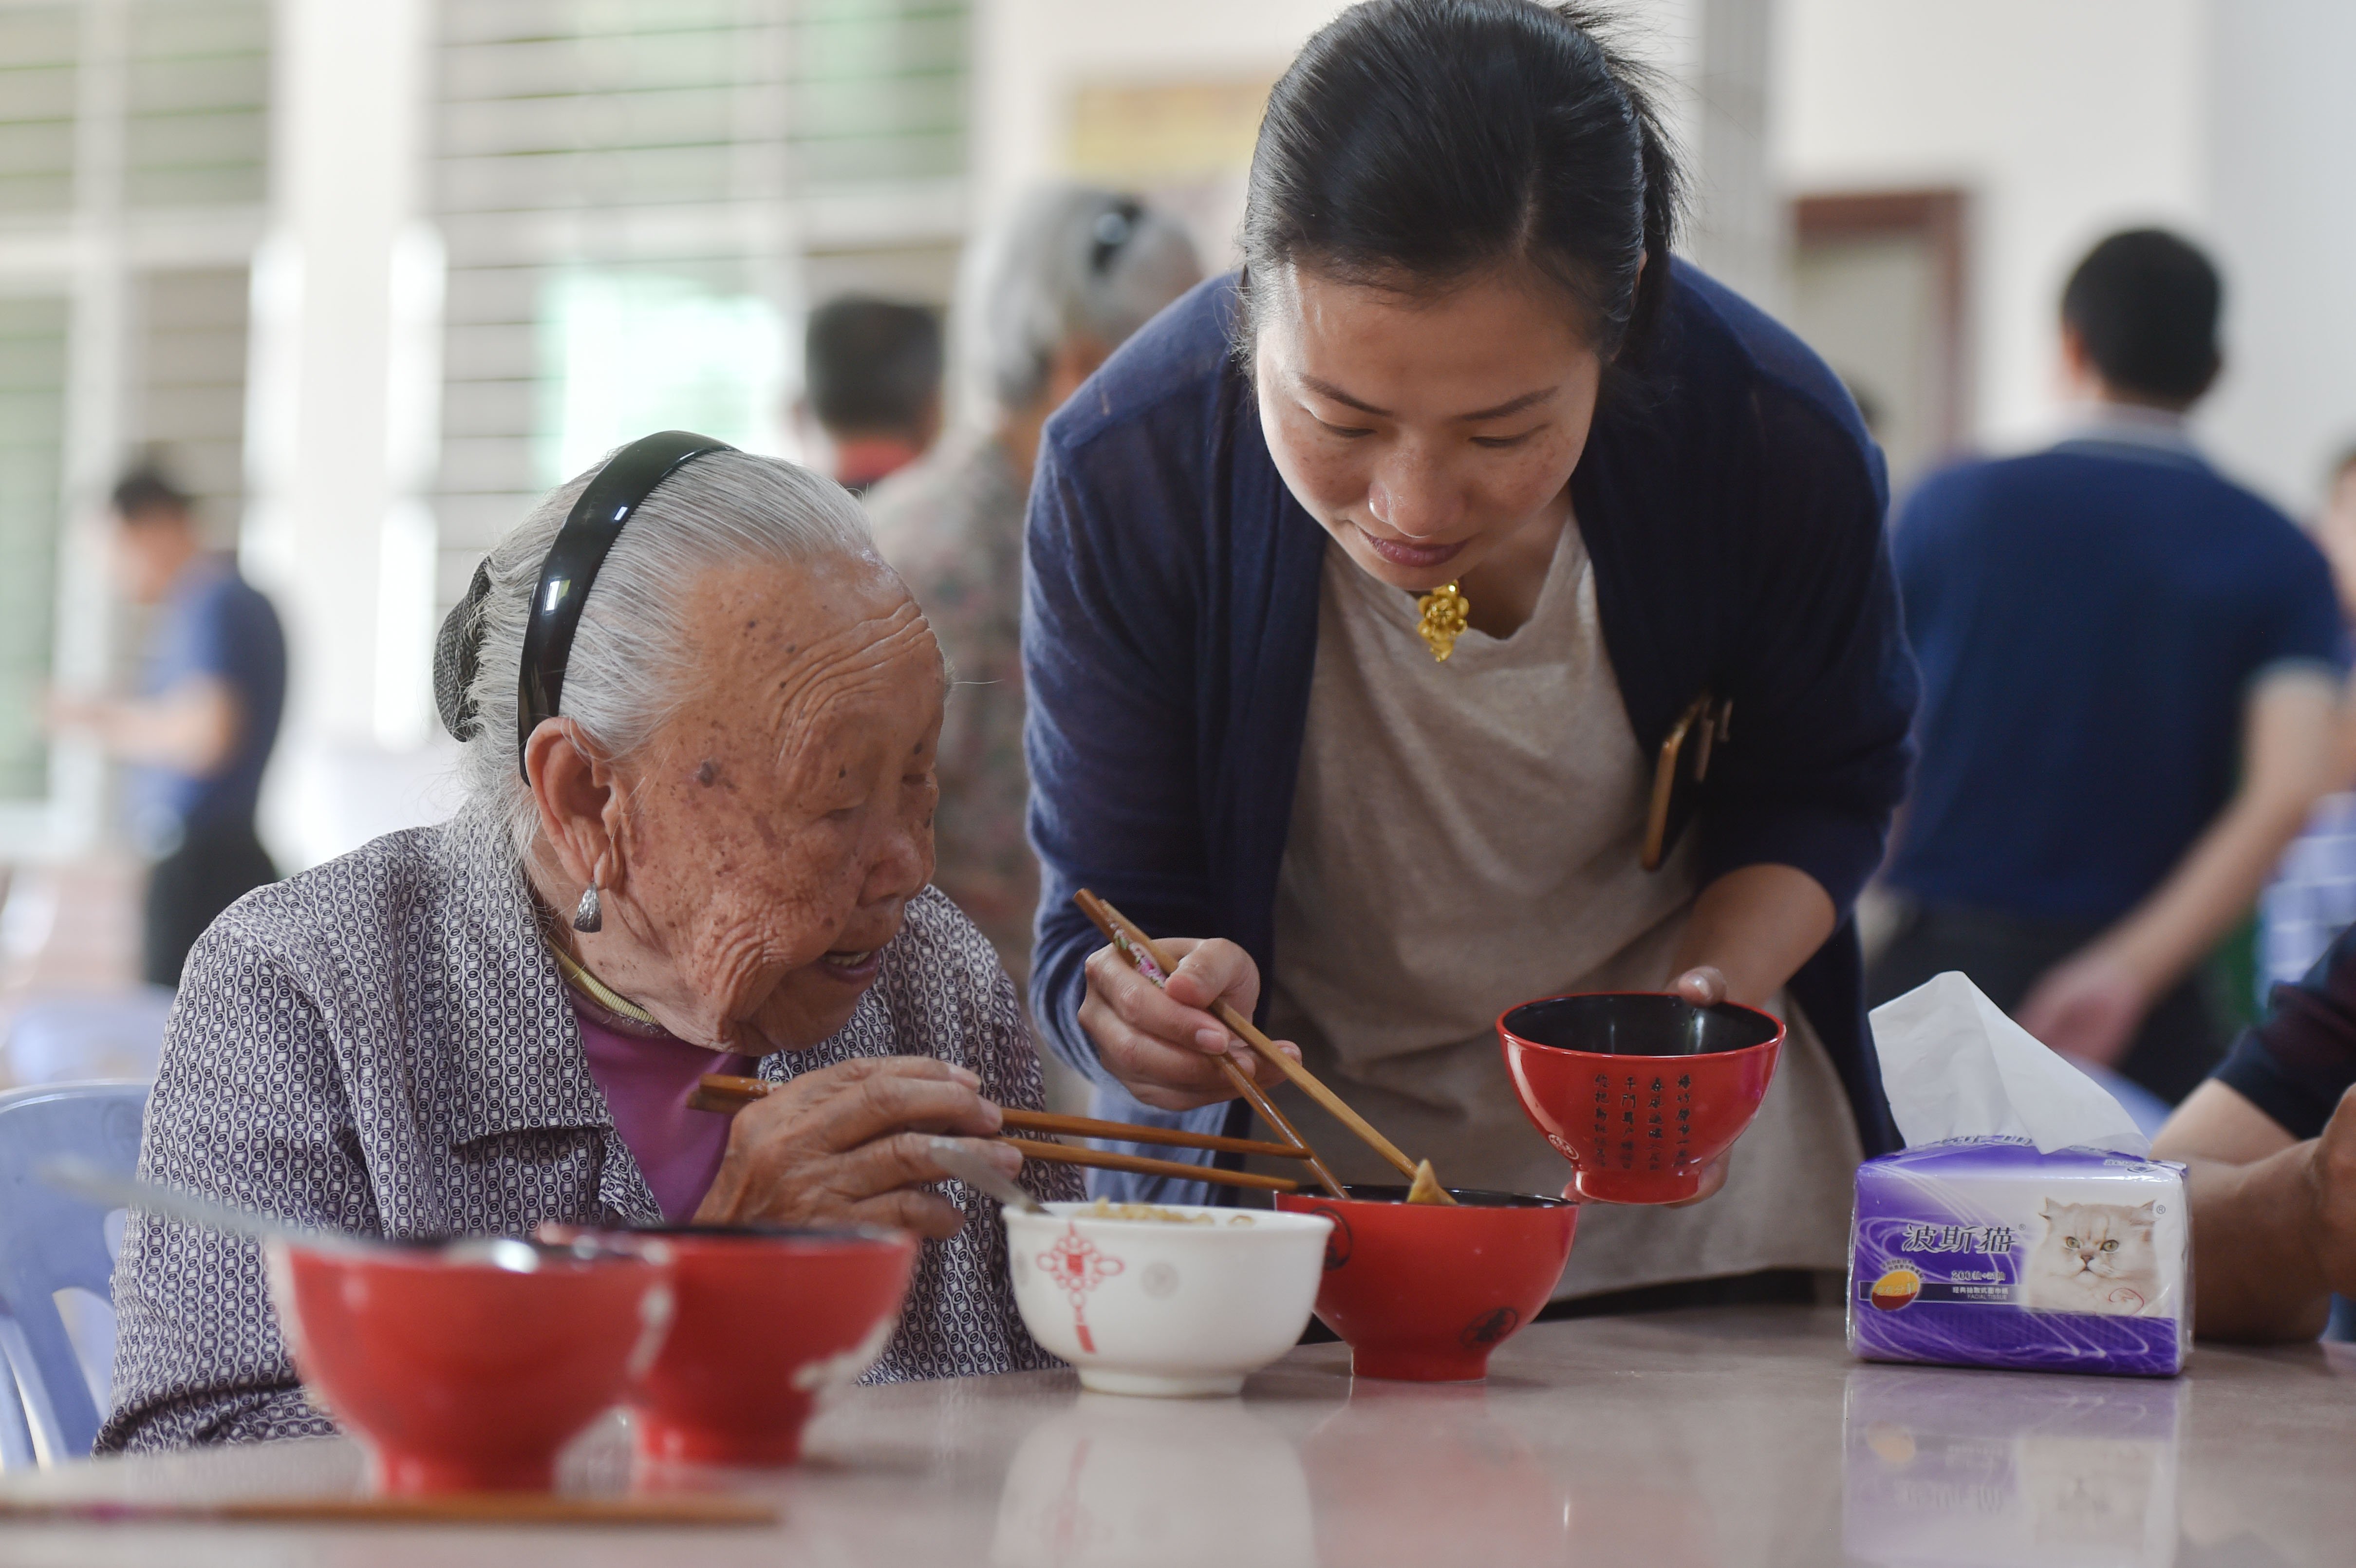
<point>698,718</point>
<point>1045,298</point>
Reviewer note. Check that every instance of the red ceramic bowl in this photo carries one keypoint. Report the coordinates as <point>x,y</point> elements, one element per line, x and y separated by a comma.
<point>1425,1292</point>
<point>766,1321</point>
<point>1639,1090</point>
<point>463,1377</point>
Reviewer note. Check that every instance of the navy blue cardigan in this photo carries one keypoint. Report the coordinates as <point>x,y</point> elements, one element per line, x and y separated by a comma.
<point>1732,503</point>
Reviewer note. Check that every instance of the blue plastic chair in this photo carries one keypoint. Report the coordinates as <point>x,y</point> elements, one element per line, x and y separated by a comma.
<point>49,1242</point>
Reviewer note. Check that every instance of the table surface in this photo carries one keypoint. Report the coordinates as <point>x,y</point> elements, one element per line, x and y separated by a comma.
<point>1704,1439</point>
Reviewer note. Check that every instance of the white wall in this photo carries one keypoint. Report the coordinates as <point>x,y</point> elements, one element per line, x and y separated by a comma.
<point>2282,189</point>
<point>2064,119</point>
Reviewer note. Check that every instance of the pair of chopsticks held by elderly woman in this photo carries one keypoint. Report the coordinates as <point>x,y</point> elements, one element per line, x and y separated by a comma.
<point>697,715</point>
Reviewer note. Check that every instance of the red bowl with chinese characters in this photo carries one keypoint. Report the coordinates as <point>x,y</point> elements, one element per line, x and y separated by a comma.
<point>1425,1292</point>
<point>1640,1090</point>
<point>468,1367</point>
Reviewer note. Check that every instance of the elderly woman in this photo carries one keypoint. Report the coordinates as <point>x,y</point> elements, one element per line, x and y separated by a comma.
<point>698,718</point>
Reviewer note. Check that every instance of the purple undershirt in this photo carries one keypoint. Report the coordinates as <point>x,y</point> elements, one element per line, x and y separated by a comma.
<point>646,1076</point>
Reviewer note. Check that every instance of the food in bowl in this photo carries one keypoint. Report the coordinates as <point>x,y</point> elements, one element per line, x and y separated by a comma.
<point>1425,1292</point>
<point>1106,1208</point>
<point>1639,1090</point>
<point>1185,1302</point>
<point>466,1376</point>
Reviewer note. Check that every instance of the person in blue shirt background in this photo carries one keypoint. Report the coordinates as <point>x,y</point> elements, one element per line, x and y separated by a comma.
<point>199,731</point>
<point>1461,374</point>
<point>2131,668</point>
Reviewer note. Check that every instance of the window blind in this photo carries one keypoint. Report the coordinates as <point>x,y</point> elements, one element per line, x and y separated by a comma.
<point>629,191</point>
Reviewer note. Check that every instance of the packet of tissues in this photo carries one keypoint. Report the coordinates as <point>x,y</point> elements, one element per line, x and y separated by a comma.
<point>2025,1223</point>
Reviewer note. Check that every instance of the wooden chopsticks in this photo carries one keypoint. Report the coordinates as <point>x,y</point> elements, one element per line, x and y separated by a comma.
<point>1133,943</point>
<point>728,1095</point>
<point>1107,1160</point>
<point>719,1091</point>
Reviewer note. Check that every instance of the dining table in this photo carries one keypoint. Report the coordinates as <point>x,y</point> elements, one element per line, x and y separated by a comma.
<point>1720,1437</point>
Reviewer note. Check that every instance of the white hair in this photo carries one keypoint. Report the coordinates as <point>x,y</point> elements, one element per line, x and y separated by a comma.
<point>629,670</point>
<point>1069,261</point>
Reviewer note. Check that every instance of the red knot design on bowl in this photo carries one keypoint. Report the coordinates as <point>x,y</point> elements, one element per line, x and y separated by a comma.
<point>1078,1265</point>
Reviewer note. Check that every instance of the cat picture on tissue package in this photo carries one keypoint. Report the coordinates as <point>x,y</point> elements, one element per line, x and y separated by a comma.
<point>2094,1257</point>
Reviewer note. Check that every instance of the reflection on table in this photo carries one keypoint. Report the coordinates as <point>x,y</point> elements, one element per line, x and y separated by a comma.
<point>1737,1438</point>
<point>1943,1466</point>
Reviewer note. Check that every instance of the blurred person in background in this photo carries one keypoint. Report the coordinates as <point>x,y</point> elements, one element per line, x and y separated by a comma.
<point>2335,529</point>
<point>2131,670</point>
<point>199,731</point>
<point>1045,298</point>
<point>872,381</point>
<point>2313,896</point>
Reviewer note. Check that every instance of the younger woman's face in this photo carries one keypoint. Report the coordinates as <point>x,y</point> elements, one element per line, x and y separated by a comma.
<point>1423,431</point>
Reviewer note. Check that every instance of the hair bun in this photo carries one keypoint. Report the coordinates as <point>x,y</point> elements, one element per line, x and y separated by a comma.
<point>457,654</point>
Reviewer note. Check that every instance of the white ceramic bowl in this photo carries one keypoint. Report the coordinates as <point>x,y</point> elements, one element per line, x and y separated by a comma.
<point>1145,1306</point>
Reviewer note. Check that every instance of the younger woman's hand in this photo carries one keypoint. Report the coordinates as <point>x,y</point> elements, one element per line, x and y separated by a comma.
<point>1704,986</point>
<point>1164,1045</point>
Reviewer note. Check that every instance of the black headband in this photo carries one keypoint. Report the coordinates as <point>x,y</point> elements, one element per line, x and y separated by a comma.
<point>611,496</point>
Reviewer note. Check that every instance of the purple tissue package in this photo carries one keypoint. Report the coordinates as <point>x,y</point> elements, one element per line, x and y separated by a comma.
<point>1983,1252</point>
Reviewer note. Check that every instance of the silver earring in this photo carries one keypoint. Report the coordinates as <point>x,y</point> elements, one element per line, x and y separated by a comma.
<point>587,916</point>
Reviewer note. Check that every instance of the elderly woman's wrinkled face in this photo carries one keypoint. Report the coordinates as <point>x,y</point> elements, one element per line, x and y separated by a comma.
<point>783,817</point>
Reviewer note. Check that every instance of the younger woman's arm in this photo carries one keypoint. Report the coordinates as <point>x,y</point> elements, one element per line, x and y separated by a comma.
<point>1751,930</point>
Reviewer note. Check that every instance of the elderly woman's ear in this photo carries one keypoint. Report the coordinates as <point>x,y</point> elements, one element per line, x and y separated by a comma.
<point>581,816</point>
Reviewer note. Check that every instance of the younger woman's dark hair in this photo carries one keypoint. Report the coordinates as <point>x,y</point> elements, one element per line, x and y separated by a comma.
<point>1417,142</point>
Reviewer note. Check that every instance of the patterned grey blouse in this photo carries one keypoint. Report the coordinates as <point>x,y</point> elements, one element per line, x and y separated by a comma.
<point>383,1046</point>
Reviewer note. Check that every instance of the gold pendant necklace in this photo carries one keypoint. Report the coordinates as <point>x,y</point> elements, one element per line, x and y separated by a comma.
<point>1445,612</point>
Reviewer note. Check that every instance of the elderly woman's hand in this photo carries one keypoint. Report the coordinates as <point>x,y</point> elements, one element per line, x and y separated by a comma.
<point>850,1144</point>
<point>1163,1044</point>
